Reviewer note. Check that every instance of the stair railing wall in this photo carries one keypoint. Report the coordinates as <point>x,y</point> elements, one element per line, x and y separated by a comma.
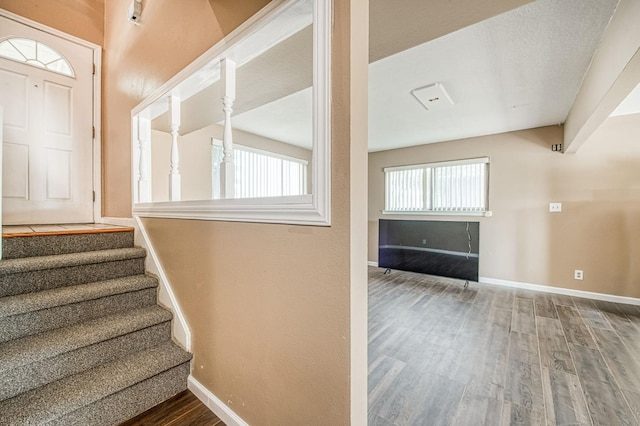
<point>215,70</point>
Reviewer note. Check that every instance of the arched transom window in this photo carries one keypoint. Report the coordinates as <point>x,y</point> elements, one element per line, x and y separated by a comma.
<point>36,54</point>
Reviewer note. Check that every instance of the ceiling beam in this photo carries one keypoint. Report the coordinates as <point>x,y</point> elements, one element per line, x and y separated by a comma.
<point>614,72</point>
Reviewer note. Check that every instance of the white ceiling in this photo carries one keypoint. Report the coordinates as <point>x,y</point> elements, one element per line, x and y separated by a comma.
<point>521,69</point>
<point>288,119</point>
<point>517,70</point>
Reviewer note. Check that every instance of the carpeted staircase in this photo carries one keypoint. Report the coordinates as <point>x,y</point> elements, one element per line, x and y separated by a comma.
<point>82,340</point>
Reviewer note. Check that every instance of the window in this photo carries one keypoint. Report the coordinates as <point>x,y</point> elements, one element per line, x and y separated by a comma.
<point>261,174</point>
<point>448,187</point>
<point>36,54</point>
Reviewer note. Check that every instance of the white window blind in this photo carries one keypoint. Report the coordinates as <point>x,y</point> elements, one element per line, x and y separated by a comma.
<point>261,174</point>
<point>454,186</point>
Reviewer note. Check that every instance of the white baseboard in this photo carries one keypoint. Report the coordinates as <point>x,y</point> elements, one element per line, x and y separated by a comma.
<point>179,328</point>
<point>372,263</point>
<point>219,408</point>
<point>560,290</point>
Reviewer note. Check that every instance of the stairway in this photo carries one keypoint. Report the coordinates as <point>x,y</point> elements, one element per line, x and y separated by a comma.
<point>82,340</point>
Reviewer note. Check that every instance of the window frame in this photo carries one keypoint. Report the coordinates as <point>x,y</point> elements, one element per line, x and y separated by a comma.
<point>36,62</point>
<point>310,209</point>
<point>273,155</point>
<point>428,192</point>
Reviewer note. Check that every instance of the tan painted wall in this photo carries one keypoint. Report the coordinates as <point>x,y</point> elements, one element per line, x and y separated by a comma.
<point>597,231</point>
<point>81,18</point>
<point>269,305</point>
<point>138,59</point>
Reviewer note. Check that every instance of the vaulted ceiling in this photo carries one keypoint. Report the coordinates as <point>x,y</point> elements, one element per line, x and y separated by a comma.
<point>506,64</point>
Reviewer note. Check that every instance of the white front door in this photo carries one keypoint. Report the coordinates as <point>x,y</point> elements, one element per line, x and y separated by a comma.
<point>47,166</point>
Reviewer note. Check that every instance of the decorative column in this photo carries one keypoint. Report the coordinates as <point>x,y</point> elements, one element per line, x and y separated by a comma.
<point>227,168</point>
<point>174,172</point>
<point>144,169</point>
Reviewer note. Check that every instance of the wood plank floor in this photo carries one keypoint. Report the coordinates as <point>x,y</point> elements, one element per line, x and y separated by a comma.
<point>440,354</point>
<point>183,409</point>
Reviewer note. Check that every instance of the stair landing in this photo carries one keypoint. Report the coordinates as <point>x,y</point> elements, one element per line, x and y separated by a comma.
<point>10,231</point>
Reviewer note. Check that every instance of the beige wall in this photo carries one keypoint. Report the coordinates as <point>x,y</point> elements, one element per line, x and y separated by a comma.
<point>268,305</point>
<point>598,230</point>
<point>81,18</point>
<point>160,165</point>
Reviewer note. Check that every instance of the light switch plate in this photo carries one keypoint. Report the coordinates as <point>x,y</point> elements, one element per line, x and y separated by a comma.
<point>555,207</point>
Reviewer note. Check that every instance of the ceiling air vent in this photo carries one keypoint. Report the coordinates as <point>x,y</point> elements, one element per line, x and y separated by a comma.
<point>433,97</point>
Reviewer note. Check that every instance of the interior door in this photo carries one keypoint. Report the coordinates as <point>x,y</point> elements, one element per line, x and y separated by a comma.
<point>47,164</point>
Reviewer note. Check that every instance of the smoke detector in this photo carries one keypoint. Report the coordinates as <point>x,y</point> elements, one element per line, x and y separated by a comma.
<point>135,11</point>
<point>433,97</point>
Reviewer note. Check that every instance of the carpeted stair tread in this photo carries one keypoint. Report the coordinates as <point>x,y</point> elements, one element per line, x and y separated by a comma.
<point>21,378</point>
<point>46,245</point>
<point>128,403</point>
<point>63,397</point>
<point>40,263</point>
<point>82,339</point>
<point>38,347</point>
<point>47,299</point>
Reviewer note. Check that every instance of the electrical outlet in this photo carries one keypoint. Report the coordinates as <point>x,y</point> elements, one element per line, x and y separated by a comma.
<point>578,274</point>
<point>424,241</point>
<point>555,207</point>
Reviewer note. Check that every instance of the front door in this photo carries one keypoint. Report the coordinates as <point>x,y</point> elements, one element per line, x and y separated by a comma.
<point>46,90</point>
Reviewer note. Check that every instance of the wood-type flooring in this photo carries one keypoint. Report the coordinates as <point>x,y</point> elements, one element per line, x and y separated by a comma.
<point>183,409</point>
<point>440,354</point>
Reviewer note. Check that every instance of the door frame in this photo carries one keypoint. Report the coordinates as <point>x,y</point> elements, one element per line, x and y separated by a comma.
<point>96,110</point>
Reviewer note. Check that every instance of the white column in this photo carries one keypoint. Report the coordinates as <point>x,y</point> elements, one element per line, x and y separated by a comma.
<point>144,159</point>
<point>227,168</point>
<point>174,173</point>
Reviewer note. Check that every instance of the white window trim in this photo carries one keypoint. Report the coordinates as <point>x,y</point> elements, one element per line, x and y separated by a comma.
<point>266,153</point>
<point>479,160</point>
<point>30,61</point>
<point>313,209</point>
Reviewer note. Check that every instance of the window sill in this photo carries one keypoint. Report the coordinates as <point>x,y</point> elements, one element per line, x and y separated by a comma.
<point>298,210</point>
<point>487,213</point>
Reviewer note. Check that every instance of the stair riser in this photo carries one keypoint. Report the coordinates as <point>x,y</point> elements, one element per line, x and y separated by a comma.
<point>46,245</point>
<point>21,379</point>
<point>31,281</point>
<point>129,402</point>
<point>17,326</point>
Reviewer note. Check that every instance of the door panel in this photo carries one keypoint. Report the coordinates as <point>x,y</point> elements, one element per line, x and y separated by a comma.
<point>15,184</point>
<point>57,108</point>
<point>58,164</point>
<point>14,93</point>
<point>48,143</point>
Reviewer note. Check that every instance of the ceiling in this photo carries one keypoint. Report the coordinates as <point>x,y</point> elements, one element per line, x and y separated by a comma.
<point>519,69</point>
